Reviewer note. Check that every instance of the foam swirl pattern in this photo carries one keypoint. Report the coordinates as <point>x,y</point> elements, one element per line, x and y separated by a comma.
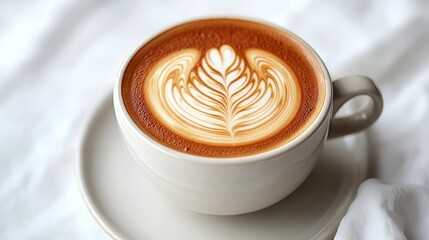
<point>220,98</point>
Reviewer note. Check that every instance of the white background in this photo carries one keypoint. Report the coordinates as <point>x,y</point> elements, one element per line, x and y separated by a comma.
<point>59,58</point>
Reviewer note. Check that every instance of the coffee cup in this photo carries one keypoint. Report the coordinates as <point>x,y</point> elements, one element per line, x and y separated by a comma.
<point>232,114</point>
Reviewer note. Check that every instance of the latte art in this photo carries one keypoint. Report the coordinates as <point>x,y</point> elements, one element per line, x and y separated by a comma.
<point>223,88</point>
<point>220,98</point>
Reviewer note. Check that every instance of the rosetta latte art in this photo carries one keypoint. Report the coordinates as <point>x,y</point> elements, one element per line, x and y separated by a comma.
<point>220,98</point>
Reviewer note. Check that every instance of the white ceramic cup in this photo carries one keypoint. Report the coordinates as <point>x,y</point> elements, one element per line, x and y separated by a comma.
<point>245,184</point>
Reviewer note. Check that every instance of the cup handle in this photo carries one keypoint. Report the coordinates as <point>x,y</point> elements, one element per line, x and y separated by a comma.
<point>345,89</point>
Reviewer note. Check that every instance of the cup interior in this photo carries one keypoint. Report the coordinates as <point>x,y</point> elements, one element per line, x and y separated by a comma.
<point>312,57</point>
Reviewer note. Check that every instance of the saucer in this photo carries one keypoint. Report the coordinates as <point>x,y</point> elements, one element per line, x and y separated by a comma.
<point>127,206</point>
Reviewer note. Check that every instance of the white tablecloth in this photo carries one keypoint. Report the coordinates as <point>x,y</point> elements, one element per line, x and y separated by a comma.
<point>59,58</point>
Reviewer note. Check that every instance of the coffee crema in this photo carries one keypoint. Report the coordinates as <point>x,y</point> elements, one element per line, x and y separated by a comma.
<point>223,88</point>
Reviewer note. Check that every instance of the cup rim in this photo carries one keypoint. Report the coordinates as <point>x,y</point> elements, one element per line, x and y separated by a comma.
<point>307,133</point>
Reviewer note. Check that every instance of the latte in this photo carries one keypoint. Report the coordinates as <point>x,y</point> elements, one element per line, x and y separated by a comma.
<point>223,88</point>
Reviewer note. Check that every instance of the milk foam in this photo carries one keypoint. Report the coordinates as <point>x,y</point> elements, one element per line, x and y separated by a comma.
<point>227,99</point>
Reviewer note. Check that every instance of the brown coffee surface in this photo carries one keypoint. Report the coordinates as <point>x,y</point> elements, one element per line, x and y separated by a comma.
<point>223,88</point>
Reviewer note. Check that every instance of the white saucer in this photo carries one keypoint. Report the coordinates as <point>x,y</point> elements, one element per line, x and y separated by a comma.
<point>127,206</point>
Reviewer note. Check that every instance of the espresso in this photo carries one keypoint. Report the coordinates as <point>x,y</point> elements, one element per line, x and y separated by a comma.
<point>223,88</point>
